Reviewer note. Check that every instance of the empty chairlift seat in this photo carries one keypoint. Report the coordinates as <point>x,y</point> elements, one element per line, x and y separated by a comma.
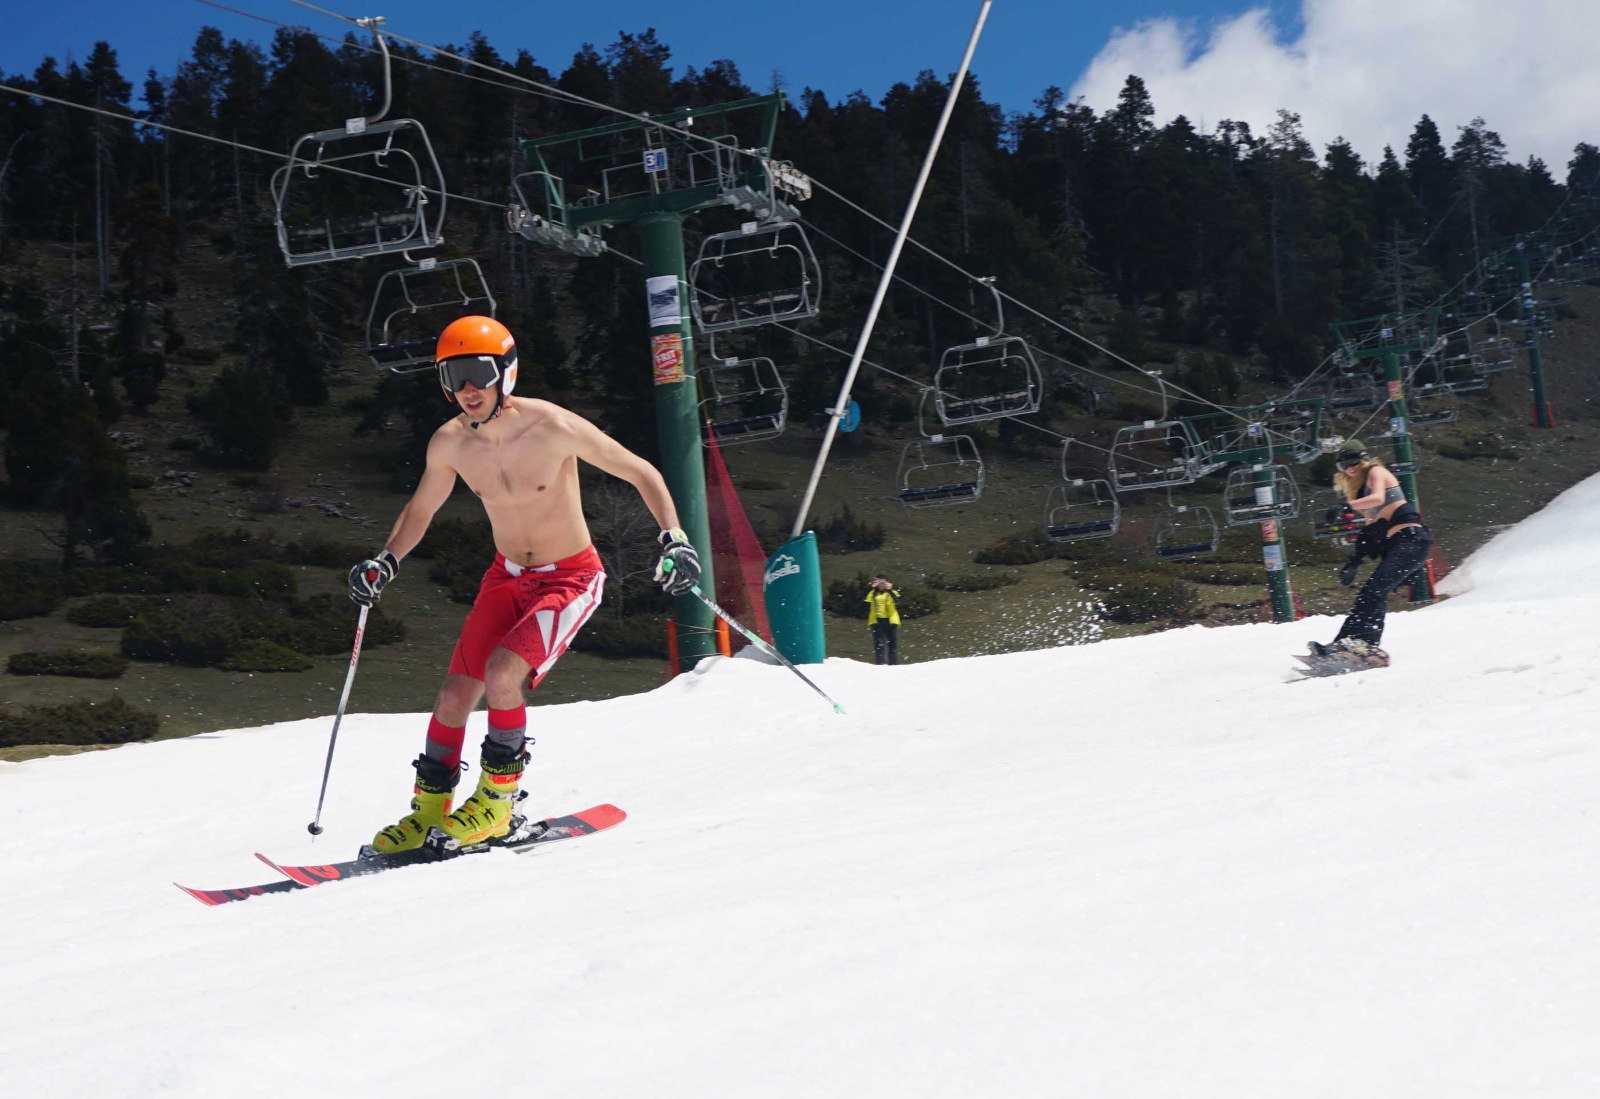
<point>758,274</point>
<point>742,399</point>
<point>1154,454</point>
<point>364,189</point>
<point>1257,494</point>
<point>939,470</point>
<point>1185,530</point>
<point>1081,509</point>
<point>412,304</point>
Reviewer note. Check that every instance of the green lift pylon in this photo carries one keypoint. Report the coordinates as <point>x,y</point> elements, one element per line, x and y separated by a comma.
<point>1258,438</point>
<point>652,172</point>
<point>1541,403</point>
<point>1388,338</point>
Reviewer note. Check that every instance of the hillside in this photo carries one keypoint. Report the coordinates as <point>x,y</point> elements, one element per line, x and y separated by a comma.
<point>328,483</point>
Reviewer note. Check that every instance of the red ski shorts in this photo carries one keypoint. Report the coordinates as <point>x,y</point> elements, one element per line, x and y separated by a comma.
<point>535,611</point>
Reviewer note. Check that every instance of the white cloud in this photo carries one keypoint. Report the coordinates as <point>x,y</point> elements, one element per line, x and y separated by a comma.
<point>1369,69</point>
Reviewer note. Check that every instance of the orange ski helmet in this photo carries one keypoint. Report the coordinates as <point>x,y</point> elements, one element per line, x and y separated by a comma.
<point>480,350</point>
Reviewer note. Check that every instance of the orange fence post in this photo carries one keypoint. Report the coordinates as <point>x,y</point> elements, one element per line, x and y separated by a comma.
<point>672,649</point>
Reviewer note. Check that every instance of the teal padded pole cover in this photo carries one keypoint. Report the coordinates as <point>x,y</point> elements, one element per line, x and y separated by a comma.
<point>794,600</point>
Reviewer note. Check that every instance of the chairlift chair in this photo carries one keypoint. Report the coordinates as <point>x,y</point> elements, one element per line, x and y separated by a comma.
<point>993,377</point>
<point>1497,353</point>
<point>937,469</point>
<point>1080,509</point>
<point>1154,454</point>
<point>1247,499</point>
<point>757,274</point>
<point>362,189</point>
<point>402,323</point>
<point>1460,374</point>
<point>1354,393</point>
<point>1431,405</point>
<point>1185,530</point>
<point>744,400</point>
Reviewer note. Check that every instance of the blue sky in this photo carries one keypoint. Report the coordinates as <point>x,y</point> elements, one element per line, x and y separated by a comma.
<point>1365,70</point>
<point>835,45</point>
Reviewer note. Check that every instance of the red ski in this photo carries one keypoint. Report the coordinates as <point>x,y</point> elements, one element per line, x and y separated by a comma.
<point>525,838</point>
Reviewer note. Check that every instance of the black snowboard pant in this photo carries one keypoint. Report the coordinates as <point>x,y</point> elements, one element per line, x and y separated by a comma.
<point>1403,555</point>
<point>886,642</point>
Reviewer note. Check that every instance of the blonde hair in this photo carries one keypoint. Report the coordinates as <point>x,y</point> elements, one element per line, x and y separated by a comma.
<point>1350,481</point>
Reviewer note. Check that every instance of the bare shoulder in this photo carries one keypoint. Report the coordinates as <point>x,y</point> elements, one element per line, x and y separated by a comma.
<point>447,437</point>
<point>551,418</point>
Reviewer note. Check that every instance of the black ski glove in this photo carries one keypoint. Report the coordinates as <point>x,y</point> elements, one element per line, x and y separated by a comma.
<point>679,567</point>
<point>1347,574</point>
<point>368,578</point>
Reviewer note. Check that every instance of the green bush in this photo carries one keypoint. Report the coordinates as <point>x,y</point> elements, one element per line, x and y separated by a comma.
<point>226,549</point>
<point>79,663</point>
<point>636,635</point>
<point>1482,447</point>
<point>1212,572</point>
<point>113,579</point>
<point>198,630</point>
<point>1150,599</point>
<point>265,656</point>
<point>196,356</point>
<point>323,625</point>
<point>204,630</point>
<point>110,722</point>
<point>456,538</point>
<point>973,581</point>
<point>460,551</point>
<point>1018,549</point>
<point>104,611</point>
<point>29,588</point>
<point>844,533</point>
<point>326,553</point>
<point>1109,577</point>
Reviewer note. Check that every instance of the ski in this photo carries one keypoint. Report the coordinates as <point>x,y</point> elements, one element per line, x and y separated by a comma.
<point>525,838</point>
<point>223,896</point>
<point>1317,667</point>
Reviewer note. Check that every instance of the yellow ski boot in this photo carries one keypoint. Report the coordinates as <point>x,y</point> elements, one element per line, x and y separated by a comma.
<point>487,814</point>
<point>430,803</point>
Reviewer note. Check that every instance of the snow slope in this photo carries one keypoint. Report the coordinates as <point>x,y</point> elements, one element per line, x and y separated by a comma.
<point>1147,867</point>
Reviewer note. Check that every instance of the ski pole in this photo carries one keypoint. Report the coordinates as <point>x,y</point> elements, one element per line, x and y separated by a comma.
<point>315,827</point>
<point>755,640</point>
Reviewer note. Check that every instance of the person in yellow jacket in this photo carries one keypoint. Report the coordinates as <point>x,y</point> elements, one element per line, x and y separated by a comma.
<point>883,617</point>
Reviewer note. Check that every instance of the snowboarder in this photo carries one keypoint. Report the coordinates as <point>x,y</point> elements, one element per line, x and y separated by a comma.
<point>1394,533</point>
<point>520,456</point>
<point>883,618</point>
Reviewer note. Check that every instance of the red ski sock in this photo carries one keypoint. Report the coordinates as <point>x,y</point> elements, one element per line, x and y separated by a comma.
<point>509,727</point>
<point>444,742</point>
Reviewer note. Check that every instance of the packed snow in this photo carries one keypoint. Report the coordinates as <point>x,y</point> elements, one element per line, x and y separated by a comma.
<point>1148,867</point>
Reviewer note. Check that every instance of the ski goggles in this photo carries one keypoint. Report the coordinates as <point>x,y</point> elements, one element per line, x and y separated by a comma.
<point>481,370</point>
